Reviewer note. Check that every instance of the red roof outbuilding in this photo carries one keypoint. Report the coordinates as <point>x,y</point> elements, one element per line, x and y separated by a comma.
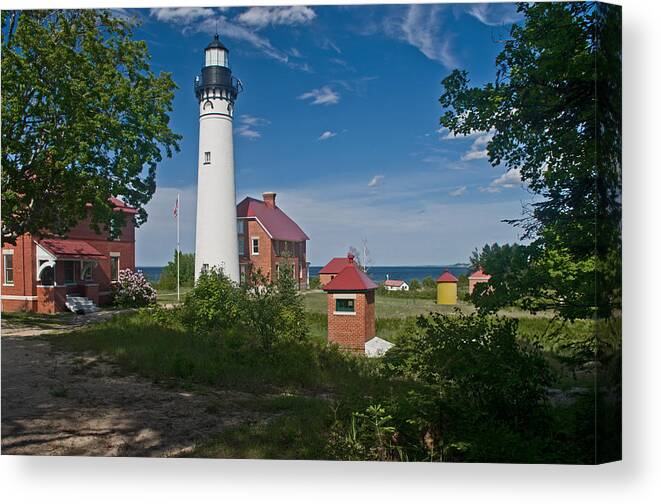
<point>334,266</point>
<point>350,279</point>
<point>447,277</point>
<point>274,221</point>
<point>393,283</point>
<point>479,275</point>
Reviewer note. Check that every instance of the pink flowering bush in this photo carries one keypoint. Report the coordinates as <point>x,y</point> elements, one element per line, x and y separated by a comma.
<point>133,290</point>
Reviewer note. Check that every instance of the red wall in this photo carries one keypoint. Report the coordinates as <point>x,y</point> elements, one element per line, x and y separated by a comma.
<point>25,281</point>
<point>352,331</point>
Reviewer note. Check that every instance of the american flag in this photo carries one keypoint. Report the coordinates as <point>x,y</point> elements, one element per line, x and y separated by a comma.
<point>175,210</point>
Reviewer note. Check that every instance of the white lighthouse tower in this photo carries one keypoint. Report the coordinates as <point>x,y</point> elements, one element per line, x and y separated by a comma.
<point>216,241</point>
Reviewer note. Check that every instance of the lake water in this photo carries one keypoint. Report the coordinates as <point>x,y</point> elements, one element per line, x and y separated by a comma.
<point>377,273</point>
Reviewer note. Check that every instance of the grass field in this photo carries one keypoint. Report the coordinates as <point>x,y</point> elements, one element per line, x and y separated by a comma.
<point>170,296</point>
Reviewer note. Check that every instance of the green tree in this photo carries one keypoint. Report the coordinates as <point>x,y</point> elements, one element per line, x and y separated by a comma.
<point>428,283</point>
<point>84,118</point>
<point>554,113</point>
<point>168,278</point>
<point>414,285</point>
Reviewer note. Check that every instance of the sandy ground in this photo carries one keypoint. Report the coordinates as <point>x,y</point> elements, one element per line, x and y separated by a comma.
<point>58,403</point>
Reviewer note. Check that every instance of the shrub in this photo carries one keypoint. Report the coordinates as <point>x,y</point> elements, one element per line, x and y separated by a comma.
<point>429,283</point>
<point>215,303</point>
<point>133,290</point>
<point>475,361</point>
<point>315,282</point>
<point>414,285</point>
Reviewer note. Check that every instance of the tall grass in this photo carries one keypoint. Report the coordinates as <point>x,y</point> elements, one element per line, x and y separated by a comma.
<point>140,343</point>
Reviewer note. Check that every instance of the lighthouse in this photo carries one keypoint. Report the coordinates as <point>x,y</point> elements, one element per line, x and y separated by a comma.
<point>216,240</point>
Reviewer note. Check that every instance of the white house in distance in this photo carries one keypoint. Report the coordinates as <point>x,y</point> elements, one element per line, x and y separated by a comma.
<point>395,285</point>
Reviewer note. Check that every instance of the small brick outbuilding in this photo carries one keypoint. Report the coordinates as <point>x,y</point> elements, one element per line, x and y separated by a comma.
<point>351,310</point>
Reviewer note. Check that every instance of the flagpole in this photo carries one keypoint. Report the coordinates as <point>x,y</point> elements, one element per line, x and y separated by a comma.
<point>178,251</point>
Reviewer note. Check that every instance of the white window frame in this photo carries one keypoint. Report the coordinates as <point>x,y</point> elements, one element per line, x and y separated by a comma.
<point>6,253</point>
<point>254,240</point>
<point>344,296</point>
<point>115,255</point>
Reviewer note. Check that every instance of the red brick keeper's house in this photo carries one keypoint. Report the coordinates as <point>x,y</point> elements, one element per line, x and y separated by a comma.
<point>39,273</point>
<point>269,238</point>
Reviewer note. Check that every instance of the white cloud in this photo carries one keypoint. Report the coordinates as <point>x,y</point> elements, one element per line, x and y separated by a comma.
<point>376,180</point>
<point>446,134</point>
<point>259,17</point>
<point>495,14</point>
<point>247,125</point>
<point>181,14</point>
<point>508,180</point>
<point>325,95</point>
<point>206,20</point>
<point>421,27</point>
<point>459,191</point>
<point>478,148</point>
<point>326,135</point>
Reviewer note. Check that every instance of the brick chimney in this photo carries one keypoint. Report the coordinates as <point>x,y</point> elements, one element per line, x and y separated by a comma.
<point>269,199</point>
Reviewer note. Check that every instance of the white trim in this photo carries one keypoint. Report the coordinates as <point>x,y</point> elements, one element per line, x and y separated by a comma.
<point>7,252</point>
<point>344,313</point>
<point>344,296</point>
<point>115,254</point>
<point>252,245</point>
<point>9,297</point>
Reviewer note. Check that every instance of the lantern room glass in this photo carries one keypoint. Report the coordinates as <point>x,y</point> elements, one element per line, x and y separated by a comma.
<point>216,56</point>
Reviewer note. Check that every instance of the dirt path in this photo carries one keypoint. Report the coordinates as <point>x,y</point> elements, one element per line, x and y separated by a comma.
<point>58,403</point>
<point>10,328</point>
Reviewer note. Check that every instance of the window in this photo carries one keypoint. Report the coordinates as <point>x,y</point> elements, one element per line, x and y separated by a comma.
<point>69,275</point>
<point>207,157</point>
<point>240,229</point>
<point>86,270</point>
<point>8,261</point>
<point>114,268</point>
<point>345,305</point>
<point>255,246</point>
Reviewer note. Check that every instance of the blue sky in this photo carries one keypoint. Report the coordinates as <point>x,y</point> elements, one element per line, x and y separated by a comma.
<point>340,117</point>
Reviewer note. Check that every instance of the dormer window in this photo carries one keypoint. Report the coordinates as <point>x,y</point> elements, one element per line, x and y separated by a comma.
<point>207,158</point>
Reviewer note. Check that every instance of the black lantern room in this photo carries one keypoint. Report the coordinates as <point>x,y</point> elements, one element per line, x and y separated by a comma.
<point>216,78</point>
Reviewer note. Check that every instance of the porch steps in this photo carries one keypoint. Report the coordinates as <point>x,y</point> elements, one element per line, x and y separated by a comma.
<point>80,304</point>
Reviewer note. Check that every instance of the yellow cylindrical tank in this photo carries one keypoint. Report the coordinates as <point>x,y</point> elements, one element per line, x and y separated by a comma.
<point>446,289</point>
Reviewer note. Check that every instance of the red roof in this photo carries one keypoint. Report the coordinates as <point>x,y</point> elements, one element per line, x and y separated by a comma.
<point>119,205</point>
<point>350,278</point>
<point>393,283</point>
<point>335,265</point>
<point>70,249</point>
<point>480,275</point>
<point>274,221</point>
<point>447,277</point>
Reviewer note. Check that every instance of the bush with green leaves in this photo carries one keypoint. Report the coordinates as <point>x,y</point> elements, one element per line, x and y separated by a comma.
<point>214,304</point>
<point>133,290</point>
<point>477,361</point>
<point>428,283</point>
<point>415,285</point>
<point>473,393</point>
<point>315,282</point>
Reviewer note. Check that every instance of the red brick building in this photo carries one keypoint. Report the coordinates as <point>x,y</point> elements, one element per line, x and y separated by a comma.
<point>39,273</point>
<point>332,269</point>
<point>351,311</point>
<point>268,238</point>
